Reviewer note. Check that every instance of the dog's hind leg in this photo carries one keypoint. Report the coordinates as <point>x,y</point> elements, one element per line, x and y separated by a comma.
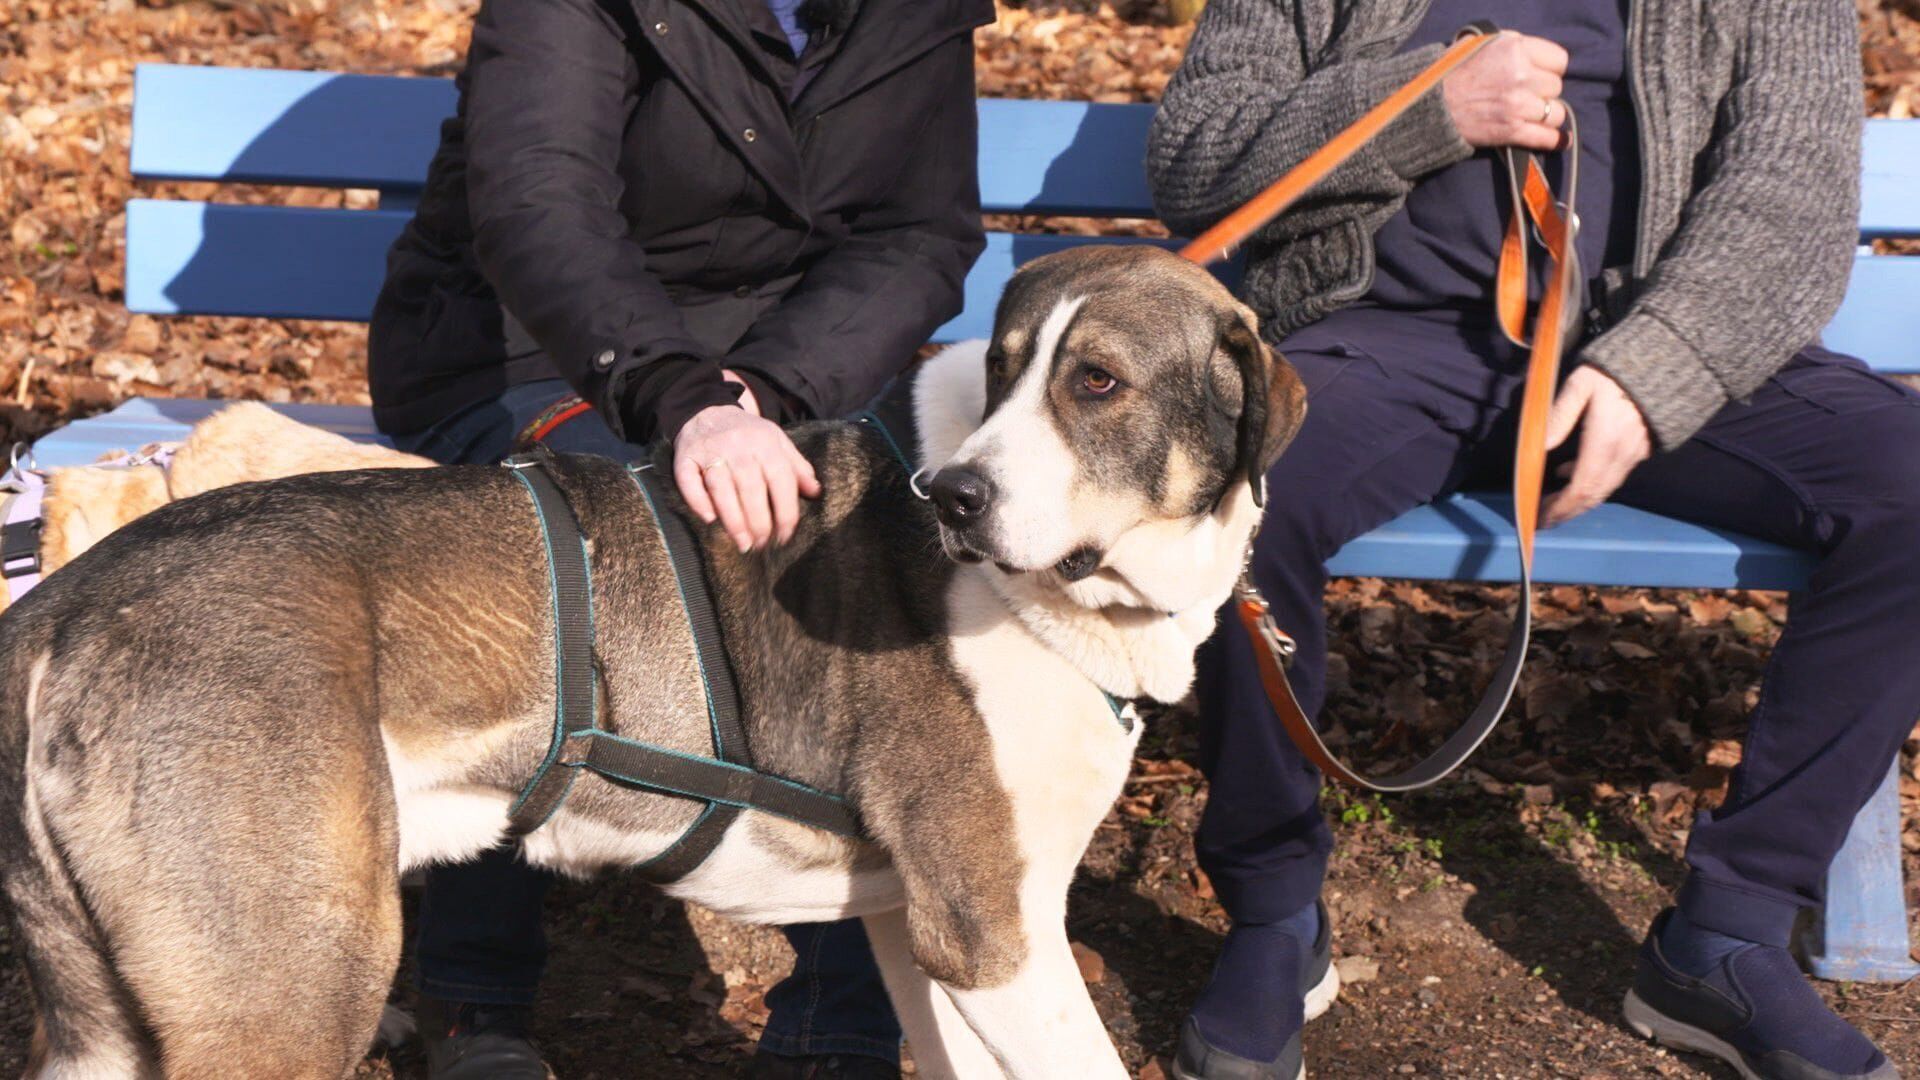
<point>86,1027</point>
<point>944,1047</point>
<point>282,970</point>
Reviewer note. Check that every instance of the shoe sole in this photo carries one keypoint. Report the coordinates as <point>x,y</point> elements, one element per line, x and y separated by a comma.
<point>1650,1023</point>
<point>1321,997</point>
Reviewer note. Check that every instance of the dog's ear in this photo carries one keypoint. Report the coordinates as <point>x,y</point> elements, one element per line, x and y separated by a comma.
<point>1273,402</point>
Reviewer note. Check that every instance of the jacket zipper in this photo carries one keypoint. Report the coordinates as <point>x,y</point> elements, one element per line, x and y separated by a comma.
<point>1636,54</point>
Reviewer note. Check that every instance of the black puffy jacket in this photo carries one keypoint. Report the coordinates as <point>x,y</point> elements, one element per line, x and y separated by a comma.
<point>628,199</point>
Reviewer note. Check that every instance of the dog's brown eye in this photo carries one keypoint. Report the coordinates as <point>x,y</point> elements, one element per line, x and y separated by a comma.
<point>1098,382</point>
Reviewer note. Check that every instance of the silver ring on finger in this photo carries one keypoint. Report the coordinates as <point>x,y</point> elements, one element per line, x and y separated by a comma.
<point>1546,110</point>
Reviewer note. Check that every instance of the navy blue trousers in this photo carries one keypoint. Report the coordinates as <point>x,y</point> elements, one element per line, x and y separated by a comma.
<point>480,937</point>
<point>1405,407</point>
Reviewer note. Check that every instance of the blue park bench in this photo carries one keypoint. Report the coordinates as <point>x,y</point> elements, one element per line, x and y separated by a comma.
<point>1038,157</point>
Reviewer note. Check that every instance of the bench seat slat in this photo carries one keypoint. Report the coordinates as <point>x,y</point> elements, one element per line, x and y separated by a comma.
<point>1468,538</point>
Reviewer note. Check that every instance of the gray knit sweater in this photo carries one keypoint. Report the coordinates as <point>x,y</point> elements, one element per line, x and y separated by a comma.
<point>1749,124</point>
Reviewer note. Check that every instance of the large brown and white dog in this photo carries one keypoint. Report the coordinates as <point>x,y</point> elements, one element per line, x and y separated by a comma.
<point>228,728</point>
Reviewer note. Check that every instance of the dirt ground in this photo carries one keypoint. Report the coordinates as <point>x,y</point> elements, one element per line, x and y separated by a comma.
<point>1486,928</point>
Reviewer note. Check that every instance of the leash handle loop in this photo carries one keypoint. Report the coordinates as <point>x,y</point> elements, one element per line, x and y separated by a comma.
<point>1554,226</point>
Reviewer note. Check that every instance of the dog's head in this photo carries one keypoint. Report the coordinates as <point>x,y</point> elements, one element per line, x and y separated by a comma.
<point>1131,411</point>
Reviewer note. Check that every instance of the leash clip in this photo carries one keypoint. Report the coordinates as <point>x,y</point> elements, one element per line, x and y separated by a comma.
<point>1278,641</point>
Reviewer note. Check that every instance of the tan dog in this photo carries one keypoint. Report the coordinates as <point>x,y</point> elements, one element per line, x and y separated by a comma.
<point>236,445</point>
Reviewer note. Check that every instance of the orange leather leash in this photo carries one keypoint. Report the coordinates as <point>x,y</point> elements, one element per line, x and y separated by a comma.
<point>1554,226</point>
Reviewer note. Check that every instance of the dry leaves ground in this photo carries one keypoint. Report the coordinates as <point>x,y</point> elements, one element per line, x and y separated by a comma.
<point>1486,927</point>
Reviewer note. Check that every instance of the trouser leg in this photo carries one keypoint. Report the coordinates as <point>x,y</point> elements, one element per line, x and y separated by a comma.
<point>1825,456</point>
<point>834,1002</point>
<point>1396,405</point>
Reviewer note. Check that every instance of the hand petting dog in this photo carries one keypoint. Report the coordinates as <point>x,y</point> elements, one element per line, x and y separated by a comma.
<point>735,466</point>
<point>1613,440</point>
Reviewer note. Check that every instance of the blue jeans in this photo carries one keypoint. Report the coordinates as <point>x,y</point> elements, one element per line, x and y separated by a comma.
<point>480,938</point>
<point>1403,408</point>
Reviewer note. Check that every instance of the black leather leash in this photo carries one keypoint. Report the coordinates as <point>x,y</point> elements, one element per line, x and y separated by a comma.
<point>727,782</point>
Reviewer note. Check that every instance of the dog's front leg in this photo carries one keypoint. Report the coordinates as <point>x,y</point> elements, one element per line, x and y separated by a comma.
<point>944,1047</point>
<point>1041,1022</point>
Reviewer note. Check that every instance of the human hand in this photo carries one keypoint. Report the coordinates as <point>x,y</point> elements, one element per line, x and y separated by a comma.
<point>1508,93</point>
<point>1613,439</point>
<point>735,467</point>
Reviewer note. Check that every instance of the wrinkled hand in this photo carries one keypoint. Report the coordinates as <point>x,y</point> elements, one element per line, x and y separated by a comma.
<point>733,466</point>
<point>1508,93</point>
<point>1613,439</point>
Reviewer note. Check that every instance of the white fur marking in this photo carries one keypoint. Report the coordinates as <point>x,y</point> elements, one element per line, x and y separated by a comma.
<point>745,881</point>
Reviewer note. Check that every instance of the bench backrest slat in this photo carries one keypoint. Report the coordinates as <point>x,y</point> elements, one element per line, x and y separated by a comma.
<point>311,128</point>
<point>362,131</point>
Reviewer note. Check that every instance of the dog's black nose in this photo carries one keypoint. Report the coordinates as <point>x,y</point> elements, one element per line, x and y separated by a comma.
<point>961,495</point>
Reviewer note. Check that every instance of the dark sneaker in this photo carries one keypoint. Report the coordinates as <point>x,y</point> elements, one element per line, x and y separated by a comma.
<point>479,1042</point>
<point>767,1065</point>
<point>1755,1011</point>
<point>1198,1059</point>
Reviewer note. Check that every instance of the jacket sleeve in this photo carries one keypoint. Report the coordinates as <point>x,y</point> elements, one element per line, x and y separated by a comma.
<point>1760,260</point>
<point>858,313</point>
<point>550,86</point>
<point>1244,108</point>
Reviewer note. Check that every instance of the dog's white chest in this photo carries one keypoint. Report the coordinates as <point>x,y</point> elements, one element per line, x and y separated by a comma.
<point>1061,752</point>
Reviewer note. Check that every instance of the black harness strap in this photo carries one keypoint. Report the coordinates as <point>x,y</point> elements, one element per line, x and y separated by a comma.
<point>576,695</point>
<point>727,782</point>
<point>716,672</point>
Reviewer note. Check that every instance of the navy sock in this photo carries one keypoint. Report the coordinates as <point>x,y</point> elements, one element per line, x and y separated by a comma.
<point>1253,1005</point>
<point>1694,949</point>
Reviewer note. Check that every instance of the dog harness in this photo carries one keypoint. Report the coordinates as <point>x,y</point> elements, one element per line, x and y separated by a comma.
<point>1553,227</point>
<point>727,782</point>
<point>23,490</point>
<point>23,487</point>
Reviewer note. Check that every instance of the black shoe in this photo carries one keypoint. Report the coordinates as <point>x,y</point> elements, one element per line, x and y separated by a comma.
<point>767,1065</point>
<point>479,1042</point>
<point>1754,1011</point>
<point>1197,1059</point>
